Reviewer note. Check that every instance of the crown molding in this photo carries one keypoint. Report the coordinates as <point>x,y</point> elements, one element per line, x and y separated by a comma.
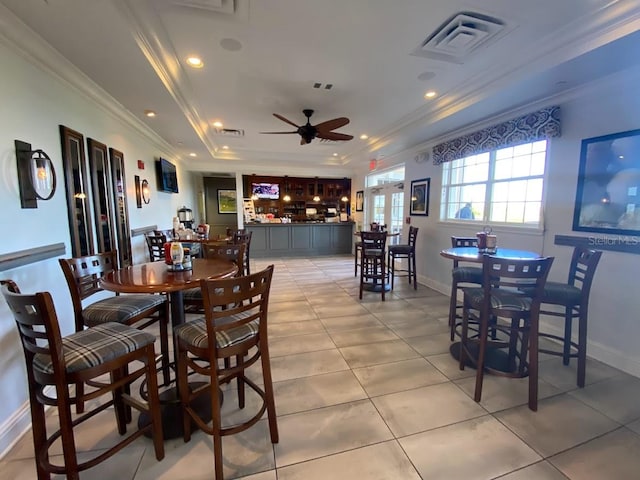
<point>32,47</point>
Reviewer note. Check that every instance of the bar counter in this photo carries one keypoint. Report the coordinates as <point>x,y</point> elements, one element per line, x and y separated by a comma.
<point>300,239</point>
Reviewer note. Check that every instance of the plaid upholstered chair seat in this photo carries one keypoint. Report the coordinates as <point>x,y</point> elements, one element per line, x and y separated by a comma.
<point>560,294</point>
<point>195,333</point>
<point>467,274</point>
<point>500,299</point>
<point>95,346</point>
<point>119,309</point>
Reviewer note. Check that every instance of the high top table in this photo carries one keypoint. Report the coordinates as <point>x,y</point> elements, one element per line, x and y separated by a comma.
<point>155,277</point>
<point>495,357</point>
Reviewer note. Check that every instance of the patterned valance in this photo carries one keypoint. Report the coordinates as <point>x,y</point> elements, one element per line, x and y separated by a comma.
<point>534,126</point>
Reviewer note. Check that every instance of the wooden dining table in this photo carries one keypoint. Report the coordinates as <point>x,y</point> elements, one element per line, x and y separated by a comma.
<point>155,277</point>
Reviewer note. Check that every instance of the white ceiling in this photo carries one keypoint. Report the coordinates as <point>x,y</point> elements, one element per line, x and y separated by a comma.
<point>136,51</point>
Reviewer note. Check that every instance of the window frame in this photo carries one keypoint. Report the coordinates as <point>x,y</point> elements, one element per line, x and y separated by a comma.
<point>489,184</point>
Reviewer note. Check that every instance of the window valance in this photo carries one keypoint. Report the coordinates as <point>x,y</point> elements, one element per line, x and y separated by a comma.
<point>534,126</point>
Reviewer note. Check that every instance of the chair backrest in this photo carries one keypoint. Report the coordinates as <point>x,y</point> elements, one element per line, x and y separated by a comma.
<point>583,268</point>
<point>234,302</point>
<point>463,242</point>
<point>516,275</point>
<point>376,227</point>
<point>413,236</point>
<point>83,275</point>
<point>243,236</point>
<point>373,241</point>
<point>38,327</point>
<point>234,253</point>
<point>155,244</point>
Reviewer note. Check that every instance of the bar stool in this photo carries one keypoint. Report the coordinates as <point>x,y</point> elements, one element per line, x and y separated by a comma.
<point>514,316</point>
<point>374,227</point>
<point>372,261</point>
<point>461,277</point>
<point>408,251</point>
<point>108,357</point>
<point>573,296</point>
<point>155,244</point>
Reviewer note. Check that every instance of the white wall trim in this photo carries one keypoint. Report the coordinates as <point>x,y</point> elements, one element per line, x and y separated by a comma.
<point>31,46</point>
<point>12,430</point>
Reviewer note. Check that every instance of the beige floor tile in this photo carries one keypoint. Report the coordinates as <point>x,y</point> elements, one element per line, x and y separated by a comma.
<point>384,461</point>
<point>339,309</point>
<point>286,316</point>
<point>282,346</point>
<point>449,366</point>
<point>565,376</point>
<point>426,408</point>
<point>362,336</point>
<point>398,376</point>
<point>427,345</point>
<point>500,393</point>
<point>617,397</point>
<point>317,433</point>
<point>307,364</point>
<point>634,426</point>
<point>561,422</point>
<point>538,471</point>
<point>612,456</point>
<point>290,329</point>
<point>270,475</point>
<point>350,322</point>
<point>318,391</point>
<point>481,448</point>
<point>288,306</point>
<point>384,352</point>
<point>330,297</point>
<point>402,317</point>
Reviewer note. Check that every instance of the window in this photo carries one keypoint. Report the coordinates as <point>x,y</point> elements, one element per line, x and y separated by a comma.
<point>502,186</point>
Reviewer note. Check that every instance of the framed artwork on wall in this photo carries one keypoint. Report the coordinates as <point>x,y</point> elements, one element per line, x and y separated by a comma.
<point>360,201</point>
<point>227,201</point>
<point>608,191</point>
<point>420,196</point>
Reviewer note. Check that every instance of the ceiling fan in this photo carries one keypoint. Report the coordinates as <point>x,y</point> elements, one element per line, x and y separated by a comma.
<point>323,130</point>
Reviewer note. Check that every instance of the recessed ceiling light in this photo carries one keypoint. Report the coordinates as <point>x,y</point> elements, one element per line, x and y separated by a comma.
<point>217,124</point>
<point>150,113</point>
<point>364,136</point>
<point>225,147</point>
<point>335,154</point>
<point>430,94</point>
<point>195,62</point>
<point>193,154</point>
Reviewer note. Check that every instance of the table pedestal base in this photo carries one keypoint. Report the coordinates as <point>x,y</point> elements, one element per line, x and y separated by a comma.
<point>171,412</point>
<point>376,287</point>
<point>495,357</point>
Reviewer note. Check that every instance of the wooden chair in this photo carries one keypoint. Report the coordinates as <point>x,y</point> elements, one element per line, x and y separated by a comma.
<point>373,227</point>
<point>155,244</point>
<point>244,236</point>
<point>573,297</point>
<point>140,310</point>
<point>234,326</point>
<point>516,316</point>
<point>234,253</point>
<point>55,363</point>
<point>408,252</point>
<point>373,270</point>
<point>461,277</point>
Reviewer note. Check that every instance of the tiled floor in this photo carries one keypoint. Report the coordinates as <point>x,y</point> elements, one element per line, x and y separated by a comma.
<point>368,390</point>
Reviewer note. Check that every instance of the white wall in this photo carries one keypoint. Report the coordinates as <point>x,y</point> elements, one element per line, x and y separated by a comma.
<point>607,107</point>
<point>33,103</point>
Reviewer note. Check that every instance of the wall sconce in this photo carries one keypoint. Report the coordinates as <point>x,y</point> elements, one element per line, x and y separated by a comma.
<point>146,193</point>
<point>345,199</point>
<point>36,175</point>
<point>316,198</point>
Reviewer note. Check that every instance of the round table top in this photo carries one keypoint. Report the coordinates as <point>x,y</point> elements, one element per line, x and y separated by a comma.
<point>155,277</point>
<point>471,254</point>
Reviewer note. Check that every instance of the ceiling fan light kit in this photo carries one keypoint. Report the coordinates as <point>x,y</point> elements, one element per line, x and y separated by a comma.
<point>323,130</point>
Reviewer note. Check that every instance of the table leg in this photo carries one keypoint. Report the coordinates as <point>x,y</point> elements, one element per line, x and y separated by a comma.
<point>171,410</point>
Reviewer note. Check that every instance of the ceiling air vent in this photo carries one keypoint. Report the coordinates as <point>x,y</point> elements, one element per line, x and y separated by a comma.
<point>459,36</point>
<point>228,132</point>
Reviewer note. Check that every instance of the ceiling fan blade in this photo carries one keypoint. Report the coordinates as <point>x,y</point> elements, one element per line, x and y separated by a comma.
<point>334,136</point>
<point>279,133</point>
<point>286,120</point>
<point>332,124</point>
<point>303,141</point>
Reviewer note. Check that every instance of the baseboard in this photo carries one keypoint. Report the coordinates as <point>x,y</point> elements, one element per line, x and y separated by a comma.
<point>12,430</point>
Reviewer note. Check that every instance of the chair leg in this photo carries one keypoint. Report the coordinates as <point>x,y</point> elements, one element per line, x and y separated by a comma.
<point>482,347</point>
<point>384,276</point>
<point>414,272</point>
<point>268,391</point>
<point>164,344</point>
<point>183,390</point>
<point>240,381</point>
<point>392,267</point>
<point>39,430</point>
<point>66,431</point>
<point>453,303</point>
<point>216,424</point>
<point>568,326</point>
<point>582,345</point>
<point>462,356</point>
<point>154,404</point>
<point>533,365</point>
<point>118,403</point>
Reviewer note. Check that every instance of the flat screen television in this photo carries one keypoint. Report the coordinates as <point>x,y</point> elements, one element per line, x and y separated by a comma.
<point>268,191</point>
<point>166,175</point>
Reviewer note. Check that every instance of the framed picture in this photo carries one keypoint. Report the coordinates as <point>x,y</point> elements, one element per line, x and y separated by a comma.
<point>360,201</point>
<point>227,201</point>
<point>608,193</point>
<point>420,196</point>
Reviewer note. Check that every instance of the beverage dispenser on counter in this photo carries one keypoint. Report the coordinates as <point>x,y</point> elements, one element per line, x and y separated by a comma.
<point>185,215</point>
